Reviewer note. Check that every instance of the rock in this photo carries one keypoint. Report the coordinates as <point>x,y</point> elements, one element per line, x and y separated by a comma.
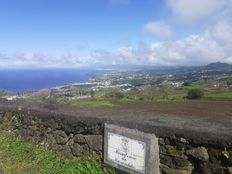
<point>215,156</point>
<point>94,142</point>
<point>86,150</point>
<point>7,117</point>
<point>77,150</point>
<point>60,137</point>
<point>176,162</point>
<point>169,150</point>
<point>66,152</point>
<point>49,138</point>
<point>182,163</point>
<point>70,142</point>
<point>167,160</point>
<point>183,140</point>
<point>166,140</point>
<point>230,160</point>
<point>199,153</point>
<point>33,128</point>
<point>79,138</point>
<point>96,129</point>
<point>57,147</point>
<point>209,168</point>
<point>161,141</point>
<point>229,169</point>
<point>63,150</point>
<point>167,170</point>
<point>60,133</point>
<point>49,130</point>
<point>205,168</point>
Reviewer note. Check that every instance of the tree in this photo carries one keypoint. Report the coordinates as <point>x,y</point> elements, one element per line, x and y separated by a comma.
<point>186,83</point>
<point>195,94</point>
<point>92,93</point>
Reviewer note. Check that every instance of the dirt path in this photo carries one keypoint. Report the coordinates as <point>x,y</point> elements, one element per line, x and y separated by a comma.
<point>211,109</point>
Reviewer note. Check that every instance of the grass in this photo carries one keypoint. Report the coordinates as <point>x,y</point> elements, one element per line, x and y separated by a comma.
<point>225,95</point>
<point>158,95</point>
<point>102,92</point>
<point>94,103</point>
<point>20,157</point>
<point>199,85</point>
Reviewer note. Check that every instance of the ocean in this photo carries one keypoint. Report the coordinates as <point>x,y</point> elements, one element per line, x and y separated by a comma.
<point>32,80</point>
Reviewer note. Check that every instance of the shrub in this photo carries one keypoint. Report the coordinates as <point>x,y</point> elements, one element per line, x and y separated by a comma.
<point>195,94</point>
<point>186,83</point>
<point>229,83</point>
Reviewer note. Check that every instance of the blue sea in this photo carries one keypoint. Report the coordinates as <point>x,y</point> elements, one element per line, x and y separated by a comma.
<point>32,80</point>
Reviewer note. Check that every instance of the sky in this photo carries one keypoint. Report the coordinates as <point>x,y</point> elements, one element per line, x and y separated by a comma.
<point>79,33</point>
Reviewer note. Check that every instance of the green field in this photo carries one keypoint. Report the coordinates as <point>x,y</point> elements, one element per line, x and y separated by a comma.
<point>160,95</point>
<point>112,98</point>
<point>20,157</point>
<point>225,95</point>
<point>93,103</point>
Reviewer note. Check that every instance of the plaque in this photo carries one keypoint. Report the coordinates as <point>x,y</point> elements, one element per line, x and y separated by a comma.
<point>127,152</point>
<point>131,150</point>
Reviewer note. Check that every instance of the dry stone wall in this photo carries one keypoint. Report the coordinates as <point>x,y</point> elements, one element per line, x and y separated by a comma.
<point>77,137</point>
<point>68,139</point>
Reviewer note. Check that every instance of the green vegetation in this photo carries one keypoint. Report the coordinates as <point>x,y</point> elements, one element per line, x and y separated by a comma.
<point>102,92</point>
<point>195,94</point>
<point>188,85</point>
<point>93,103</point>
<point>156,94</point>
<point>225,95</point>
<point>227,80</point>
<point>17,156</point>
<point>165,93</point>
<point>114,95</point>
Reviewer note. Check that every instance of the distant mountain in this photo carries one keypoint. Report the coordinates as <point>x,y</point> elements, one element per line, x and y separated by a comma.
<point>218,65</point>
<point>123,67</point>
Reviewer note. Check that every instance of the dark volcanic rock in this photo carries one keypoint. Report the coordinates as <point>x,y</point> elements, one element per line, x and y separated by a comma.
<point>199,153</point>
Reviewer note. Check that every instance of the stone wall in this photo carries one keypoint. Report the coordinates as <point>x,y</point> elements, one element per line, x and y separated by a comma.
<point>65,138</point>
<point>73,137</point>
<point>178,155</point>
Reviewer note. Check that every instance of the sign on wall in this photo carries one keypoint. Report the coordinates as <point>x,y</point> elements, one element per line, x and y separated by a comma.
<point>127,152</point>
<point>130,150</point>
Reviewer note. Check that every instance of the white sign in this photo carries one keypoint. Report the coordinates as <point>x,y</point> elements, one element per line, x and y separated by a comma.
<point>126,152</point>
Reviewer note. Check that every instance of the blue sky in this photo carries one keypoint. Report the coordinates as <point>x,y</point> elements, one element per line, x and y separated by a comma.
<point>52,26</point>
<point>74,33</point>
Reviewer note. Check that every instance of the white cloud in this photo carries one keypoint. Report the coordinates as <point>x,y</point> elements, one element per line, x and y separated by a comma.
<point>193,10</point>
<point>38,60</point>
<point>222,33</point>
<point>127,55</point>
<point>192,50</point>
<point>159,28</point>
<point>215,44</point>
<point>126,52</point>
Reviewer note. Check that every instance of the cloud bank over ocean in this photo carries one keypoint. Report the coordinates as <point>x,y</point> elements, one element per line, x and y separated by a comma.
<point>184,32</point>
